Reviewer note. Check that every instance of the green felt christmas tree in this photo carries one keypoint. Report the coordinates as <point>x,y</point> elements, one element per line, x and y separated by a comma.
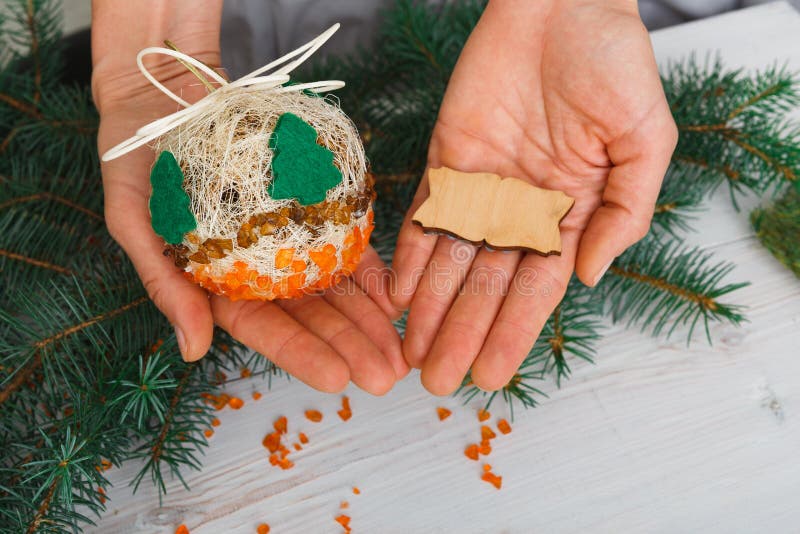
<point>169,203</point>
<point>301,169</point>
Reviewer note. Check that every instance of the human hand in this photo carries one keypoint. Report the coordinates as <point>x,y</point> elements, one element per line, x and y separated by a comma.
<point>566,95</point>
<point>325,341</point>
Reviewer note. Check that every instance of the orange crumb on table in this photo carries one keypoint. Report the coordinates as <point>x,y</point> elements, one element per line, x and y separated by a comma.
<point>344,520</point>
<point>102,493</point>
<point>256,395</point>
<point>105,465</point>
<point>303,438</point>
<point>485,448</point>
<point>272,441</point>
<point>503,426</point>
<point>182,529</point>
<point>443,413</point>
<point>281,424</point>
<point>245,372</point>
<point>483,415</point>
<point>487,467</point>
<point>344,505</point>
<point>315,416</point>
<point>235,403</point>
<point>487,433</point>
<point>263,528</point>
<point>345,413</point>
<point>471,452</point>
<point>208,433</point>
<point>298,447</point>
<point>215,422</point>
<point>492,479</point>
<point>356,491</point>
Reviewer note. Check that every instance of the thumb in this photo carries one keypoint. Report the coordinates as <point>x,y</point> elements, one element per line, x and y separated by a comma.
<point>640,158</point>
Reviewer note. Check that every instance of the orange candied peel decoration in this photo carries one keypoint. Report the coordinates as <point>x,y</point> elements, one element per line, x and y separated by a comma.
<point>256,395</point>
<point>503,426</point>
<point>182,529</point>
<point>215,422</point>
<point>471,452</point>
<point>487,433</point>
<point>263,528</point>
<point>315,416</point>
<point>443,413</point>
<point>492,479</point>
<point>345,413</point>
<point>344,520</point>
<point>303,438</point>
<point>281,424</point>
<point>244,283</point>
<point>483,415</point>
<point>235,403</point>
<point>356,491</point>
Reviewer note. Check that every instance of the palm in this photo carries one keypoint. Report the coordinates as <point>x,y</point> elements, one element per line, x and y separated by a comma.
<point>558,106</point>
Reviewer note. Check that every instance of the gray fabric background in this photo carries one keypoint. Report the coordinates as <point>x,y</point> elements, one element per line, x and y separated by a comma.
<point>256,31</point>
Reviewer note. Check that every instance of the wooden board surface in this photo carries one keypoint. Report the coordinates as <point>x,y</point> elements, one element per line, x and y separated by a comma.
<point>656,437</point>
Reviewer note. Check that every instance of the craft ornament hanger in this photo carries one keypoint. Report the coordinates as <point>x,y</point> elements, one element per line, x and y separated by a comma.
<point>503,213</point>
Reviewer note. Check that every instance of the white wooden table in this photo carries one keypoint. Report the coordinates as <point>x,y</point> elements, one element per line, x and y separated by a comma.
<point>653,438</point>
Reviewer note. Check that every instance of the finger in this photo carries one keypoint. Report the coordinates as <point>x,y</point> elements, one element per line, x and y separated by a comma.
<point>266,328</point>
<point>469,320</point>
<point>183,303</point>
<point>538,286</point>
<point>369,369</point>
<point>351,301</point>
<point>436,291</point>
<point>640,159</point>
<point>411,254</point>
<point>374,277</point>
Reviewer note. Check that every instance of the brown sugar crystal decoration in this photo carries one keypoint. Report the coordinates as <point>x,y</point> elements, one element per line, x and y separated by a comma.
<point>503,213</point>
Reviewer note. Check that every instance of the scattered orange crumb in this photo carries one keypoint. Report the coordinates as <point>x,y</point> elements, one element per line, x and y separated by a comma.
<point>263,528</point>
<point>215,422</point>
<point>208,433</point>
<point>344,505</point>
<point>285,463</point>
<point>487,433</point>
<point>315,416</point>
<point>105,465</point>
<point>356,491</point>
<point>303,438</point>
<point>485,448</point>
<point>471,452</point>
<point>235,403</point>
<point>182,529</point>
<point>444,413</point>
<point>483,415</point>
<point>345,413</point>
<point>272,441</point>
<point>256,395</point>
<point>503,426</point>
<point>102,493</point>
<point>245,372</point>
<point>298,447</point>
<point>492,479</point>
<point>344,520</point>
<point>280,424</point>
<point>487,467</point>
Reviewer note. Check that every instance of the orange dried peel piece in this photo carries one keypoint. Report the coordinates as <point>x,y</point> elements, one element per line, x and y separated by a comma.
<point>315,416</point>
<point>471,452</point>
<point>443,413</point>
<point>281,424</point>
<point>483,415</point>
<point>235,403</point>
<point>503,426</point>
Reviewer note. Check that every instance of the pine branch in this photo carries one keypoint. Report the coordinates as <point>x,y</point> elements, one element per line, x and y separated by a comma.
<point>774,223</point>
<point>663,286</point>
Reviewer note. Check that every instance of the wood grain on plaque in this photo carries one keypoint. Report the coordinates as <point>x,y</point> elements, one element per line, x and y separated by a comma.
<point>505,213</point>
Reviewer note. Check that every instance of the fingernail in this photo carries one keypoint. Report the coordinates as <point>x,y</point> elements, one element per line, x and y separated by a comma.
<point>181,338</point>
<point>602,272</point>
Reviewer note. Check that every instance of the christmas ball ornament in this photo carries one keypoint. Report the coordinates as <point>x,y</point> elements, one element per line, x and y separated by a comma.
<point>260,189</point>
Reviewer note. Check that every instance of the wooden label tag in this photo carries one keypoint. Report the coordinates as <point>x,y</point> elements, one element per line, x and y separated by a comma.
<point>504,213</point>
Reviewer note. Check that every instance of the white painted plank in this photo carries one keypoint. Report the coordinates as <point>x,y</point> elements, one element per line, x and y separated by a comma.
<point>656,437</point>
